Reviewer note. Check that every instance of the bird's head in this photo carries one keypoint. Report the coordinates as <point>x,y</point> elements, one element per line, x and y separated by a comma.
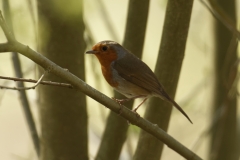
<point>107,51</point>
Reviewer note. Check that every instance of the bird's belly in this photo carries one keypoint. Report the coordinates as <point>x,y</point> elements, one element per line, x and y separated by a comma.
<point>133,92</point>
<point>129,89</point>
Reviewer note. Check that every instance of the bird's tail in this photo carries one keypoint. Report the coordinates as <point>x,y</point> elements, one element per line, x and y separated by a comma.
<point>170,100</point>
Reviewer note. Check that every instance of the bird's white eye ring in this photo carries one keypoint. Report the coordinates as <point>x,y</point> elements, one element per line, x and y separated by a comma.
<point>104,48</point>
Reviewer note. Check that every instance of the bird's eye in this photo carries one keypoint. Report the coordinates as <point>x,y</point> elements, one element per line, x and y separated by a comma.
<point>104,48</point>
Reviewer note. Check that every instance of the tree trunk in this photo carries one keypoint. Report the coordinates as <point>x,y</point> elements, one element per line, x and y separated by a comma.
<point>116,128</point>
<point>167,70</point>
<point>223,135</point>
<point>63,111</point>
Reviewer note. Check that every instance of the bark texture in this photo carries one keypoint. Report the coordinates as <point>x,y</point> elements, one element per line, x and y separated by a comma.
<point>224,114</point>
<point>63,111</point>
<point>115,132</point>
<point>168,67</point>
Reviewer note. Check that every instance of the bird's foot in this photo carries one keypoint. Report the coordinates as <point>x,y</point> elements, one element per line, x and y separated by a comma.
<point>120,104</point>
<point>121,101</point>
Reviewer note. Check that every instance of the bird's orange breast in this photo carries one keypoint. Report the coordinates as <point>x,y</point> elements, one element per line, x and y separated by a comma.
<point>106,61</point>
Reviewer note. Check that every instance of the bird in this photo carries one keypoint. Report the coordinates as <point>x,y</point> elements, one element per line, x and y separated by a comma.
<point>129,75</point>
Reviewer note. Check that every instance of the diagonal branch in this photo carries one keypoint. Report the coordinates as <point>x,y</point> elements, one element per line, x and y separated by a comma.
<point>15,46</point>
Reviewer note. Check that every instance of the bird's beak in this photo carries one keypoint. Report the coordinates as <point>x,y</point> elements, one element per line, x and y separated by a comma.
<point>91,52</point>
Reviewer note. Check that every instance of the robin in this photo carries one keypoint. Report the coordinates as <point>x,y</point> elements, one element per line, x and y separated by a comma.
<point>128,75</point>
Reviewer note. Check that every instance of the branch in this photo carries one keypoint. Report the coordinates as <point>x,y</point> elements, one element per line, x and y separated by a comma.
<point>9,35</point>
<point>42,82</point>
<point>25,88</point>
<point>15,46</point>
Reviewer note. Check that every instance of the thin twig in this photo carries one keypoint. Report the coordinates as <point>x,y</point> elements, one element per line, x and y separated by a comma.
<point>31,10</point>
<point>2,94</point>
<point>24,88</point>
<point>222,16</point>
<point>233,73</point>
<point>107,20</point>
<point>7,32</point>
<point>42,82</point>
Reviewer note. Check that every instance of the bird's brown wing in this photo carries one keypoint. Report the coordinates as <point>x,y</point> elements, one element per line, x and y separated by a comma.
<point>137,72</point>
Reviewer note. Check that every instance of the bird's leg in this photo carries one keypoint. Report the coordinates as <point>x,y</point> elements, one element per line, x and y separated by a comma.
<point>121,101</point>
<point>135,109</point>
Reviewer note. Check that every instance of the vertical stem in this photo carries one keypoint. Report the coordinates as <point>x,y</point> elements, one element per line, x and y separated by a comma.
<point>223,135</point>
<point>115,132</point>
<point>168,67</point>
<point>22,93</point>
<point>63,112</point>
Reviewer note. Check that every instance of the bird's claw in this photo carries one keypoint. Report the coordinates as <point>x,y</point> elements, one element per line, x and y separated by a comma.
<point>120,109</point>
<point>115,99</point>
<point>121,101</point>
